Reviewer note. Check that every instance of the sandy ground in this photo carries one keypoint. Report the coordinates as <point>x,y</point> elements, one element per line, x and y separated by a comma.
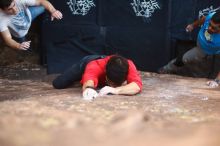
<point>171,111</point>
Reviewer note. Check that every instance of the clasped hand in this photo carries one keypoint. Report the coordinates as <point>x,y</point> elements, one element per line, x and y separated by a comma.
<point>189,28</point>
<point>107,90</point>
<point>90,94</point>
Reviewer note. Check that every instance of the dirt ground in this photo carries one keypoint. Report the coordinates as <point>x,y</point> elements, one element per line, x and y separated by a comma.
<point>171,111</point>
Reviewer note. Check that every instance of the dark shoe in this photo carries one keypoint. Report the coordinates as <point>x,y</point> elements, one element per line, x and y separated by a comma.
<point>170,68</point>
<point>164,70</point>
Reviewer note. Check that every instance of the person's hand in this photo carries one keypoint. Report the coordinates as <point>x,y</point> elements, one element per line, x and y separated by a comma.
<point>107,90</point>
<point>25,45</point>
<point>57,15</point>
<point>212,84</point>
<point>189,28</point>
<point>89,94</point>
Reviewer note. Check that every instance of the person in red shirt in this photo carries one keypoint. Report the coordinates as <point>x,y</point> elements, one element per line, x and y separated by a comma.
<point>112,74</point>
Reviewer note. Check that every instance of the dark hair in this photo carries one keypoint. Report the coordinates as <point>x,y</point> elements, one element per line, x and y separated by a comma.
<point>5,3</point>
<point>216,17</point>
<point>117,70</point>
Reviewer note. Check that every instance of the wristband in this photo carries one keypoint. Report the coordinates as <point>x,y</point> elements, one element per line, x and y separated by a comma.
<point>89,87</point>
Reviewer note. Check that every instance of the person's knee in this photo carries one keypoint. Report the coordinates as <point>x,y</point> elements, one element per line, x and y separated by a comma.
<point>179,63</point>
<point>41,9</point>
<point>192,59</point>
<point>188,57</point>
<point>57,84</point>
<point>36,11</point>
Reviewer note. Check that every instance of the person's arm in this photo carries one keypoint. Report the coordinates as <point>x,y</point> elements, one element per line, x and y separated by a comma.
<point>88,84</point>
<point>129,89</point>
<point>195,24</point>
<point>49,7</point>
<point>90,77</point>
<point>6,35</point>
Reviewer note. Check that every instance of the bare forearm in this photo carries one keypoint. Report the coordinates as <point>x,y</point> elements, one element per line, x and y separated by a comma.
<point>12,43</point>
<point>88,83</point>
<point>198,22</point>
<point>47,5</point>
<point>6,36</point>
<point>129,89</point>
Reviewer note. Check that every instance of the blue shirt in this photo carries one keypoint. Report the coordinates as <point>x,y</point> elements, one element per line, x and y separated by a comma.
<point>210,43</point>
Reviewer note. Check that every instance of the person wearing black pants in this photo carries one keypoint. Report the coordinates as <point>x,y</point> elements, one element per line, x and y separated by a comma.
<point>74,73</point>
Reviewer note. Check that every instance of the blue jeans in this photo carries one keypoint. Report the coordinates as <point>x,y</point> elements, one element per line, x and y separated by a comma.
<point>35,11</point>
<point>74,73</point>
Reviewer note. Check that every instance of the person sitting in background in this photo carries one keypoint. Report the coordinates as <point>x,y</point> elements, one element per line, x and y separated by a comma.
<point>115,74</point>
<point>208,43</point>
<point>16,17</point>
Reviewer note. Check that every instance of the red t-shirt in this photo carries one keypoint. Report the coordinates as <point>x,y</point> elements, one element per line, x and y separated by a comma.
<point>95,71</point>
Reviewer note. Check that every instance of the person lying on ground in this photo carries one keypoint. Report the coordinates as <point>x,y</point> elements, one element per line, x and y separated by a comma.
<point>111,74</point>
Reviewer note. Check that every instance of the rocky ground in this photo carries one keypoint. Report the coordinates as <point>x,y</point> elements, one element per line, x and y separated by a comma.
<point>171,111</point>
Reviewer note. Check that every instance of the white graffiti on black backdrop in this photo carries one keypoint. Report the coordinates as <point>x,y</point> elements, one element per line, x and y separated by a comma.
<point>80,7</point>
<point>208,10</point>
<point>145,8</point>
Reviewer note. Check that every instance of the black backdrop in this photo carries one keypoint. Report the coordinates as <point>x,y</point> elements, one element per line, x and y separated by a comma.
<point>112,26</point>
<point>184,12</point>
